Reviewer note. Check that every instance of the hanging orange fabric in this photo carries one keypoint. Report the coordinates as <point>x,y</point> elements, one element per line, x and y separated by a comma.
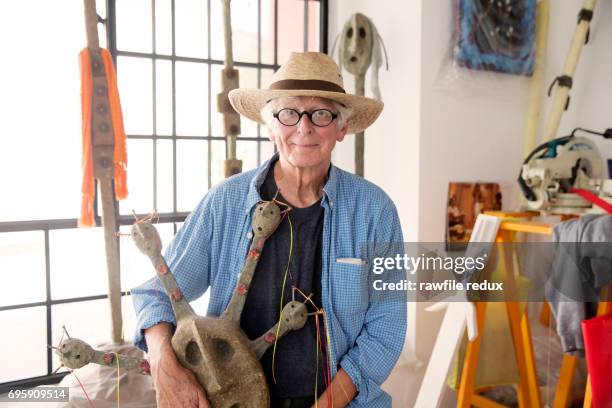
<point>120,152</point>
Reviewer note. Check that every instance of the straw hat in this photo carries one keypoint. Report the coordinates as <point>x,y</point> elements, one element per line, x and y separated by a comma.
<point>308,74</point>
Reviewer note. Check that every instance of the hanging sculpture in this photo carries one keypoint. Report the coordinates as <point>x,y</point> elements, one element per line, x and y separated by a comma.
<point>361,49</point>
<point>104,153</point>
<point>229,81</point>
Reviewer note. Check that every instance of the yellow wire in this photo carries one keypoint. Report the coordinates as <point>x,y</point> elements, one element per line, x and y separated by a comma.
<point>280,319</point>
<point>317,368</point>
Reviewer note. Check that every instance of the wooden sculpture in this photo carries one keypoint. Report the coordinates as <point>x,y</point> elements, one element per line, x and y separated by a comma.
<point>360,49</point>
<point>224,360</point>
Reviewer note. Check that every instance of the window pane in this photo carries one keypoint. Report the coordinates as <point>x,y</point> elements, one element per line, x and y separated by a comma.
<point>313,25</point>
<point>163,97</point>
<point>267,31</point>
<point>191,99</point>
<point>247,152</point>
<point>22,262</point>
<point>290,29</point>
<point>244,30</point>
<point>136,268</point>
<point>136,92</point>
<point>164,176</point>
<point>190,25</point>
<point>78,263</point>
<point>41,122</point>
<point>134,25</point>
<point>163,27</point>
<point>140,178</point>
<point>217,156</point>
<point>24,349</point>
<point>267,150</point>
<point>216,119</point>
<point>191,173</point>
<point>266,77</point>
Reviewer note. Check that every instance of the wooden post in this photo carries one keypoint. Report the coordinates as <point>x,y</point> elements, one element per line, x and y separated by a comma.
<point>103,142</point>
<point>359,137</point>
<point>229,81</point>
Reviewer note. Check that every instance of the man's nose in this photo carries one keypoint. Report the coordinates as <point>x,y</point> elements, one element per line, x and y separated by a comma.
<point>305,125</point>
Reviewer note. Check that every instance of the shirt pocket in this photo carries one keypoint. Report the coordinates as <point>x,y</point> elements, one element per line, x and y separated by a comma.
<point>350,286</point>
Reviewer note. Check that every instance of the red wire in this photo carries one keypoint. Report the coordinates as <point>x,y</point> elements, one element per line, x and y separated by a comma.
<point>326,367</point>
<point>592,198</point>
<point>83,388</point>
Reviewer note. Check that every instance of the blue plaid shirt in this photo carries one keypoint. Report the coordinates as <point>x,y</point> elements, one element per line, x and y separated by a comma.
<point>366,335</point>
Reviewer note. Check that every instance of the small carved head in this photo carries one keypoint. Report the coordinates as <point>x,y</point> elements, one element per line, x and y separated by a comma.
<point>294,315</point>
<point>147,238</point>
<point>74,353</point>
<point>266,219</point>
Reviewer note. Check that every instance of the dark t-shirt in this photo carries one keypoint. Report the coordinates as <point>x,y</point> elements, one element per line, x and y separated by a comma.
<point>296,356</point>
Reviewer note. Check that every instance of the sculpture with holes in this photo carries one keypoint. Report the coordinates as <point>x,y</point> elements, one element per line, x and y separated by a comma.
<point>224,360</point>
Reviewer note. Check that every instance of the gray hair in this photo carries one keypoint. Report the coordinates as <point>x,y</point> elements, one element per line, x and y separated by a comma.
<point>270,108</point>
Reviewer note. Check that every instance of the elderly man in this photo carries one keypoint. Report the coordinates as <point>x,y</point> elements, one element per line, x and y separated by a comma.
<point>334,215</point>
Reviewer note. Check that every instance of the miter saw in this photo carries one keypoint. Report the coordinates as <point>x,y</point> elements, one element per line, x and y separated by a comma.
<point>565,175</point>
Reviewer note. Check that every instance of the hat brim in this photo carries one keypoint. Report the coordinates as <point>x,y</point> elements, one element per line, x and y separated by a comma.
<point>249,102</point>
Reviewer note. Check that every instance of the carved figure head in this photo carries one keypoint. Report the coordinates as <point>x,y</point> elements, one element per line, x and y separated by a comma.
<point>74,353</point>
<point>265,219</point>
<point>356,44</point>
<point>146,238</point>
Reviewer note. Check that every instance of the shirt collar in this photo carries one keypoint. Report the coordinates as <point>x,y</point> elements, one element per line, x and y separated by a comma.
<point>253,196</point>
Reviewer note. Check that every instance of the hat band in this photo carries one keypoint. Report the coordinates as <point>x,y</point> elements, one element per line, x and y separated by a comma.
<point>306,85</point>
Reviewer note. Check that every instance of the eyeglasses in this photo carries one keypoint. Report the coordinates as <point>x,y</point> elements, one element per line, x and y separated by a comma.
<point>318,117</point>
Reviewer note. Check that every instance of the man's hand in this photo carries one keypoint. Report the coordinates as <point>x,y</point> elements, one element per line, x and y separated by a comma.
<point>175,386</point>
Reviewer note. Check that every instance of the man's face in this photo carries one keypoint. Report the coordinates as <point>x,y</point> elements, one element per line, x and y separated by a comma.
<point>306,145</point>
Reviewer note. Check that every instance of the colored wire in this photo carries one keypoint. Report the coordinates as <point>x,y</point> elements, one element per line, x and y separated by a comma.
<point>316,393</point>
<point>83,388</point>
<point>327,366</point>
<point>306,298</point>
<point>327,343</point>
<point>280,319</point>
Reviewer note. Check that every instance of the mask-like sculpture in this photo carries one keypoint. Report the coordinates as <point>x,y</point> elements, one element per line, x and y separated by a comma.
<point>360,49</point>
<point>357,44</point>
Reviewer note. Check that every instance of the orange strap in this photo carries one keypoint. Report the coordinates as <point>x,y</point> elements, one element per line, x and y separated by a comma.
<point>120,153</point>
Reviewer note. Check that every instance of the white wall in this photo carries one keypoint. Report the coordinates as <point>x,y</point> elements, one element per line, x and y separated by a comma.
<point>391,157</point>
<point>429,135</point>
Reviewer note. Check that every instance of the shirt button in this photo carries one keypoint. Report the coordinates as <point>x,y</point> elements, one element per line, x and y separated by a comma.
<point>250,235</point>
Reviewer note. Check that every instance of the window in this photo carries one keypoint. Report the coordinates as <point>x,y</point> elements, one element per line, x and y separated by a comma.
<point>169,55</point>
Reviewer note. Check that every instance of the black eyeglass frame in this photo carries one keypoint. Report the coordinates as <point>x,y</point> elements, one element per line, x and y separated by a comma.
<point>309,114</point>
